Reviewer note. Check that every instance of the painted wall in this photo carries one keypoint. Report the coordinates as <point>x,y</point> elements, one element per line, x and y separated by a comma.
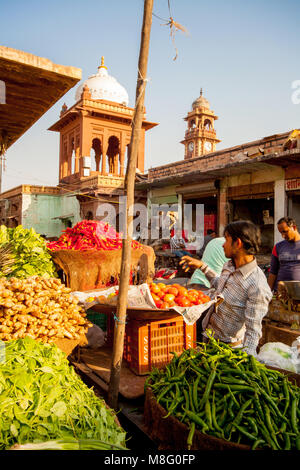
<point>41,211</point>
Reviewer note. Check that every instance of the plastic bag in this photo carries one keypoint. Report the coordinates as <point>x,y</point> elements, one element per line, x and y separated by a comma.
<point>280,355</point>
<point>95,337</point>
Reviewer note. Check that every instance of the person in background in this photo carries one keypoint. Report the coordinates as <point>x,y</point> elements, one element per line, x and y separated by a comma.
<point>215,258</point>
<point>211,234</point>
<point>243,286</point>
<point>285,259</point>
<point>178,244</point>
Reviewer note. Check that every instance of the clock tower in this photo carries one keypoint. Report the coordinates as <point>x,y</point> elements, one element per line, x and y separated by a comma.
<point>200,136</point>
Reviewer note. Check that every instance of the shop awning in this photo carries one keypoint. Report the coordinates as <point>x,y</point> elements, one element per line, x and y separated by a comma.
<point>29,86</point>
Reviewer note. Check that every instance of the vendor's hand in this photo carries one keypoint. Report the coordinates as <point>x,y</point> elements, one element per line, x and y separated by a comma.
<point>189,262</point>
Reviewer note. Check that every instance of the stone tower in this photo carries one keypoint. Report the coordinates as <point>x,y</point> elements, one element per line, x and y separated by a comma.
<point>200,136</point>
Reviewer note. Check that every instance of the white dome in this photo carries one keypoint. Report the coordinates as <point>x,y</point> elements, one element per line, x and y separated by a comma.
<point>201,102</point>
<point>104,87</point>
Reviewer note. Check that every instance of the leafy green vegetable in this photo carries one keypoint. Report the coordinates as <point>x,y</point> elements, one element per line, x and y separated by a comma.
<point>43,399</point>
<point>30,252</point>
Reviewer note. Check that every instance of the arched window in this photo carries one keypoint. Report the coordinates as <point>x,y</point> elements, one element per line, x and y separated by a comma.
<point>113,167</point>
<point>95,154</point>
<point>207,124</point>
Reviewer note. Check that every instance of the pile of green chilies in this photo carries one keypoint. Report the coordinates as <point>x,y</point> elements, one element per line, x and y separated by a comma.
<point>226,393</point>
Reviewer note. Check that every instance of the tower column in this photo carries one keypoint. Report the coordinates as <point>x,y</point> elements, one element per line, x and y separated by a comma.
<point>104,155</point>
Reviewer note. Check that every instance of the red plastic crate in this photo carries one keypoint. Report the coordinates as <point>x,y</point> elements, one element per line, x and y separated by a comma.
<point>149,344</point>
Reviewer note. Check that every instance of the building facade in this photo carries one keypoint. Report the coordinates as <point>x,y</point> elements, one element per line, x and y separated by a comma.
<point>258,180</point>
<point>94,136</point>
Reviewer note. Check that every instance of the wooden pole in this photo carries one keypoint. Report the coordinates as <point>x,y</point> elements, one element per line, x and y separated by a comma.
<point>118,345</point>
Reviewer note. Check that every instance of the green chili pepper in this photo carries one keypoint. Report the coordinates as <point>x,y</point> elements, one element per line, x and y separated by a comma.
<point>195,392</point>
<point>191,435</point>
<point>287,442</point>
<point>245,432</point>
<point>257,443</point>
<point>209,384</point>
<point>208,414</point>
<point>294,415</point>
<point>194,417</point>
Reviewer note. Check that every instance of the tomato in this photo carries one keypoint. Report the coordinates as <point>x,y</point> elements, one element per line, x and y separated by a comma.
<point>182,290</point>
<point>172,304</point>
<point>161,285</point>
<point>193,292</point>
<point>175,285</point>
<point>179,299</point>
<point>169,298</point>
<point>154,288</point>
<point>155,297</point>
<point>161,294</point>
<point>165,306</point>
<point>185,303</point>
<point>172,290</point>
<point>159,303</point>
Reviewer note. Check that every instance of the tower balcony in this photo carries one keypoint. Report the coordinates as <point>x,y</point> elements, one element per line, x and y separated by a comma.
<point>193,133</point>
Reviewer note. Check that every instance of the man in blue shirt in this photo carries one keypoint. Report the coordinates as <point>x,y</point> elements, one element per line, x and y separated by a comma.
<point>285,260</point>
<point>215,258</point>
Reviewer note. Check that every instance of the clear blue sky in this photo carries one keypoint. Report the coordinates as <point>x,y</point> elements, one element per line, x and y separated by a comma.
<point>245,55</point>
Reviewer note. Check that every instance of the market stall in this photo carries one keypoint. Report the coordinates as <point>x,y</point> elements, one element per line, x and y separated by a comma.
<point>44,402</point>
<point>282,322</point>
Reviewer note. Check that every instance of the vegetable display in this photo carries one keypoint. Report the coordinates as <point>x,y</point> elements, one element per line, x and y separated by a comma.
<point>166,296</point>
<point>43,399</point>
<point>29,252</point>
<point>90,235</point>
<point>226,393</point>
<point>41,308</point>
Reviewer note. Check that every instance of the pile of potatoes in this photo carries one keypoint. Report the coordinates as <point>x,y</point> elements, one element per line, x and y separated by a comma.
<point>41,308</point>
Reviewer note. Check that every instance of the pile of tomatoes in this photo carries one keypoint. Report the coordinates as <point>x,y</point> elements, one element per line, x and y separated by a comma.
<point>166,296</point>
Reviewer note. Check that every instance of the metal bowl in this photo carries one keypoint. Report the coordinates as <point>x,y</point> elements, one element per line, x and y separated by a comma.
<point>293,289</point>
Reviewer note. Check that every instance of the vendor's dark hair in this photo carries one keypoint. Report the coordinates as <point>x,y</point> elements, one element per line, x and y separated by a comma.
<point>247,232</point>
<point>290,222</point>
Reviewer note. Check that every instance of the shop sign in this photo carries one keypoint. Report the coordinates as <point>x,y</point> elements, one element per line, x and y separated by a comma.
<point>292,184</point>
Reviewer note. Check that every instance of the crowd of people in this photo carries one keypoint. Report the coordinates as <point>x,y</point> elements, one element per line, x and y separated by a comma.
<point>228,264</point>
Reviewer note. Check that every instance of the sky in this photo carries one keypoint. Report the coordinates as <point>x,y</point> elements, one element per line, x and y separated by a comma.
<point>244,54</point>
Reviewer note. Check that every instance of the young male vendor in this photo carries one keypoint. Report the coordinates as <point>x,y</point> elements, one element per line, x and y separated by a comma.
<point>243,285</point>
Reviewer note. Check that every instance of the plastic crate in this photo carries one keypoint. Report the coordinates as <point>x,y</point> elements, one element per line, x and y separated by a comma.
<point>99,319</point>
<point>149,344</point>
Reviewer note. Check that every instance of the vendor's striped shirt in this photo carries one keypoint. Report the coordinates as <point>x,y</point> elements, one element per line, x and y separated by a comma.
<point>246,296</point>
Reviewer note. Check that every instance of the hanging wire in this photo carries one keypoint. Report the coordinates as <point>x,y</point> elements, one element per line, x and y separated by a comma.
<point>174,27</point>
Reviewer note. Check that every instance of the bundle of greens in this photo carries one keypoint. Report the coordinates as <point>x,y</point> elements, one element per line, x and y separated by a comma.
<point>43,399</point>
<point>29,251</point>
